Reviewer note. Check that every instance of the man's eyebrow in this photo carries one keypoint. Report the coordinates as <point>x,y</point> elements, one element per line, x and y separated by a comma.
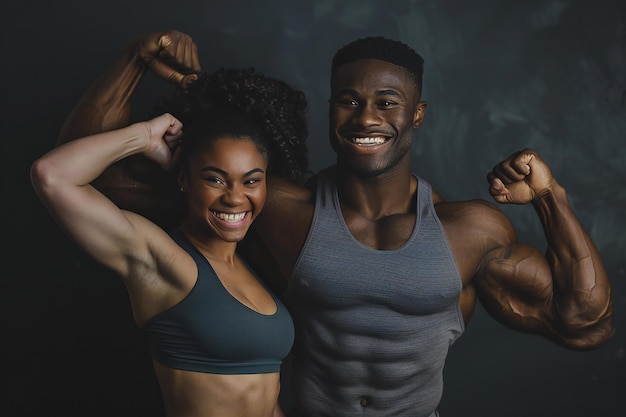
<point>346,91</point>
<point>352,92</point>
<point>388,93</point>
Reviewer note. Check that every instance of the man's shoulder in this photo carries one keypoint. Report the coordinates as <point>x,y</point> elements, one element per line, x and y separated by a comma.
<point>481,219</point>
<point>471,210</point>
<point>280,190</point>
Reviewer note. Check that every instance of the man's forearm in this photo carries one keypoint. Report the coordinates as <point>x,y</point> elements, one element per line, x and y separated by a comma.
<point>106,104</point>
<point>582,294</point>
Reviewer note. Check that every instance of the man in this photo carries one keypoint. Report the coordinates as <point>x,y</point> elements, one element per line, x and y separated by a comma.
<point>382,275</point>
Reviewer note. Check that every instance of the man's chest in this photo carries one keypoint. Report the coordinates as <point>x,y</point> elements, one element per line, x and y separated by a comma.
<point>386,233</point>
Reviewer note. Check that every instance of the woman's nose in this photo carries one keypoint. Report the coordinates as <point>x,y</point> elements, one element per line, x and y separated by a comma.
<point>234,195</point>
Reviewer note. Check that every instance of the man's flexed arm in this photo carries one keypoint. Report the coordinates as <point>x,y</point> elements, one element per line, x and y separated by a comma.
<point>171,55</point>
<point>565,295</point>
<point>135,183</point>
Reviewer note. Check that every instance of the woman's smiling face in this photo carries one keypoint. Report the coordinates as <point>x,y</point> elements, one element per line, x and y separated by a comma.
<point>226,187</point>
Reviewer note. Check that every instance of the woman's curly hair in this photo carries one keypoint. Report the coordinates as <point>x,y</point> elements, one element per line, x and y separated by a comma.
<point>276,107</point>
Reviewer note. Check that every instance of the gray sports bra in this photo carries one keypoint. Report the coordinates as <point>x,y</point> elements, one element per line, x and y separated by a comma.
<point>211,331</point>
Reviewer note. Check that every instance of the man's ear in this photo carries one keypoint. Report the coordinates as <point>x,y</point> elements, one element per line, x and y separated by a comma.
<point>418,116</point>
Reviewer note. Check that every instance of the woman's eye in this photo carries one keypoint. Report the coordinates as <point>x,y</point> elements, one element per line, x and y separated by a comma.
<point>215,180</point>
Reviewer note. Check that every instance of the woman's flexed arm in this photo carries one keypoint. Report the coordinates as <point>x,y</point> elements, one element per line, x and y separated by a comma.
<point>62,180</point>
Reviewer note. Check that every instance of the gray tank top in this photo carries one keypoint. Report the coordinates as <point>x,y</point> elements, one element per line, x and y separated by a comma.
<point>373,327</point>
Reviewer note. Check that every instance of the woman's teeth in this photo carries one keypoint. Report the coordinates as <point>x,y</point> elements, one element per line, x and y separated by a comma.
<point>230,218</point>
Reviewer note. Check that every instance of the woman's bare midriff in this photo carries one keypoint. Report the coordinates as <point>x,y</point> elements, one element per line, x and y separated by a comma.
<point>197,394</point>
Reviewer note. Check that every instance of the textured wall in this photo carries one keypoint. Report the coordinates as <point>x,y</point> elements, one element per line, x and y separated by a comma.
<point>499,76</point>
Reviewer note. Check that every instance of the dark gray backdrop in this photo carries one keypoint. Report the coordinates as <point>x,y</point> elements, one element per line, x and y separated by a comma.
<point>499,76</point>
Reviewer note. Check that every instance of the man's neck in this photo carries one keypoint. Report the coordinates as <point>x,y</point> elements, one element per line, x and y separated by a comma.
<point>377,197</point>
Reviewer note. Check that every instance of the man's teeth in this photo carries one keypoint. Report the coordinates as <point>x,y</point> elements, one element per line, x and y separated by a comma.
<point>369,141</point>
<point>231,218</point>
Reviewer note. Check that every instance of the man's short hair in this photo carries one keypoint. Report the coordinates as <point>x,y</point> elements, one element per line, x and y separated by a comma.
<point>379,47</point>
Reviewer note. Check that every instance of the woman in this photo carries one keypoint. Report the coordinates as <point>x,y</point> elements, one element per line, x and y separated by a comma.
<point>217,333</point>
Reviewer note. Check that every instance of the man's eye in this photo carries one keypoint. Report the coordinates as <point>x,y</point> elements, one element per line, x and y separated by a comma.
<point>346,102</point>
<point>387,103</point>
